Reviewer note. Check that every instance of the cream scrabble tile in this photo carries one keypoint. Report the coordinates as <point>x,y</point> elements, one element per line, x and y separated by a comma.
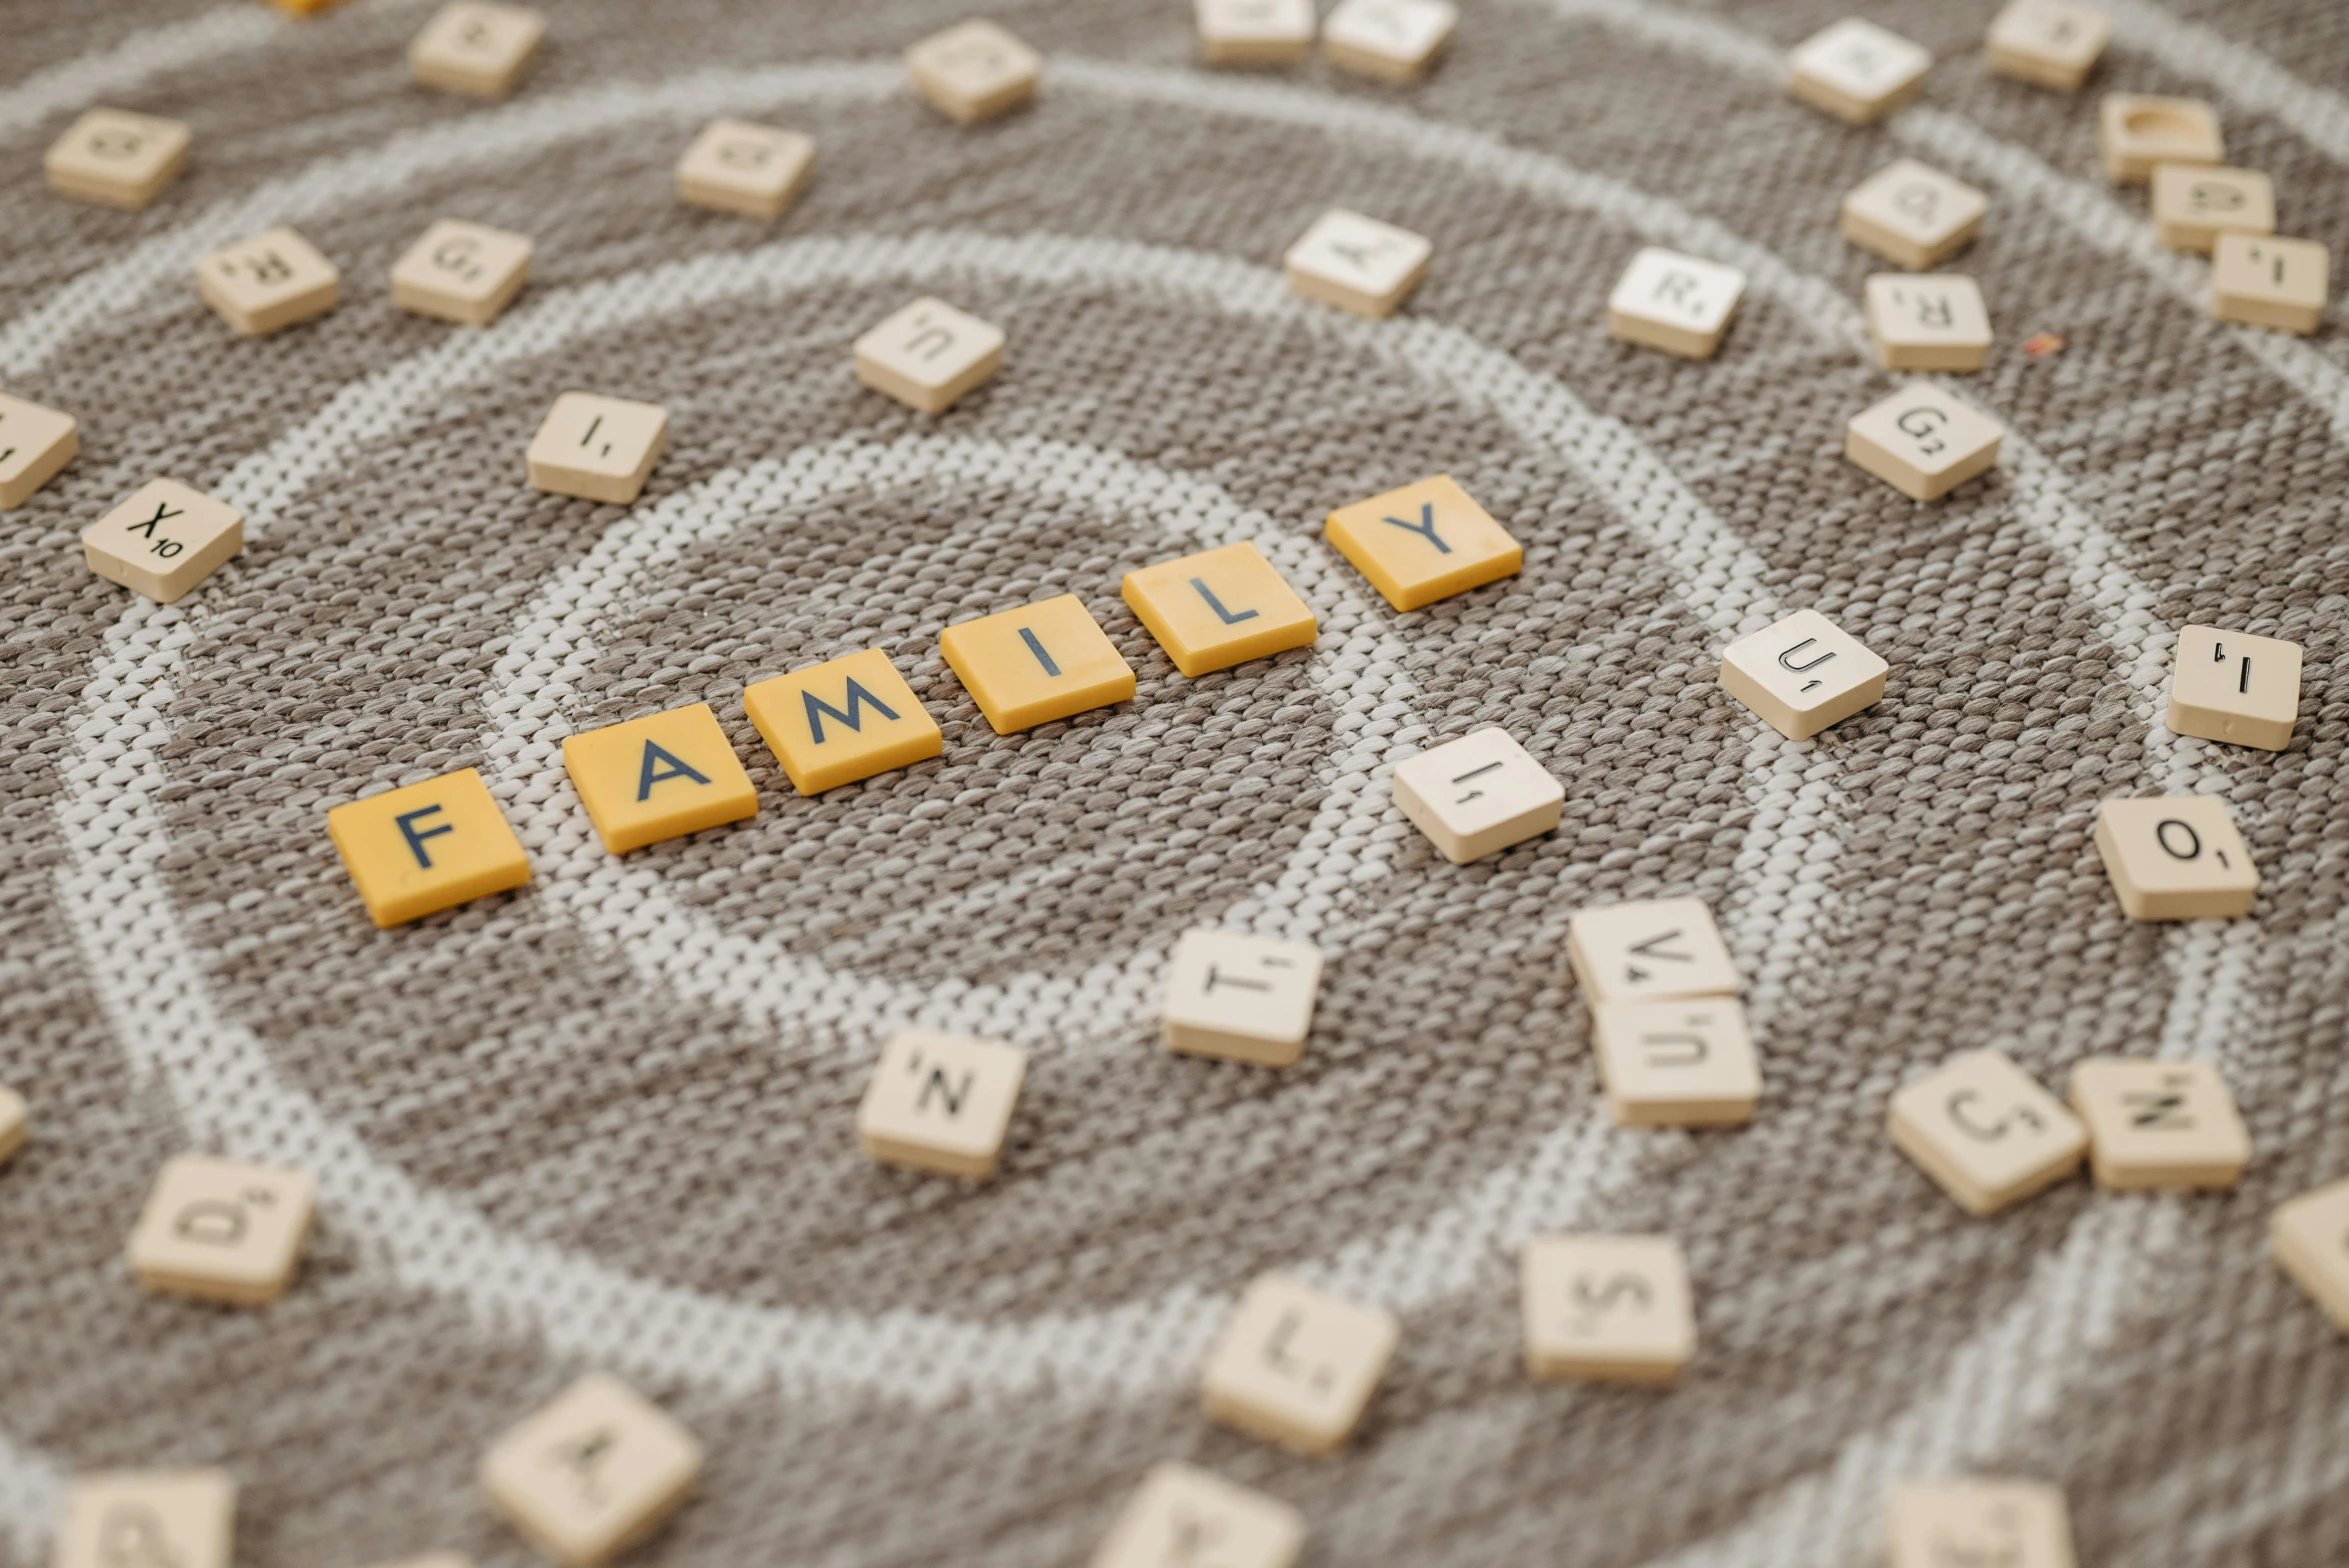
<point>427,847</point>
<point>2194,203</point>
<point>462,272</point>
<point>1612,1309</point>
<point>1388,40</point>
<point>476,48</point>
<point>2263,280</point>
<point>597,448</point>
<point>2159,1124</point>
<point>659,777</point>
<point>1857,71</point>
<point>15,1123</point>
<point>1673,302</point>
<point>35,442</point>
<point>1255,32</point>
<point>1219,608</point>
<point>1986,1133</point>
<point>267,283</point>
<point>222,1230</point>
<point>752,170</point>
<point>929,355</point>
<point>2310,1239</point>
<point>592,1473</point>
<point>843,720</point>
<point>1356,263</point>
<point>1424,542</point>
<point>2048,43</point>
<point>941,1103</point>
<point>1686,1063</point>
<point>974,71</point>
<point>1659,950</point>
<point>2138,133</point>
<point>1243,998</point>
<point>118,158</point>
<point>2176,857</point>
<point>1923,442</point>
<point>432,1560</point>
<point>1478,795</point>
<point>1934,322</point>
<point>1913,215</point>
<point>2234,687</point>
<point>1803,673</point>
<point>1979,1523</point>
<point>164,540</point>
<point>1297,1366</point>
<point>1185,1516</point>
<point>1041,662</point>
<point>148,1519</point>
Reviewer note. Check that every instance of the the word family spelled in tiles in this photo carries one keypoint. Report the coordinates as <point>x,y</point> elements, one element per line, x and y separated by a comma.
<point>2048,43</point>
<point>592,1473</point>
<point>1923,442</point>
<point>1803,673</point>
<point>1912,215</point>
<point>1219,608</point>
<point>843,720</point>
<point>1683,1063</point>
<point>1041,662</point>
<point>941,1103</point>
<point>2265,280</point>
<point>929,355</point>
<point>974,71</point>
<point>1388,40</point>
<point>1184,1517</point>
<point>1612,1309</point>
<point>462,272</point>
<point>15,1123</point>
<point>752,170</point>
<point>1673,302</point>
<point>1986,1133</point>
<point>164,540</point>
<point>35,443</point>
<point>1424,542</point>
<point>2176,857</point>
<point>2310,1238</point>
<point>597,448</point>
<point>1979,1523</point>
<point>658,777</point>
<point>275,280</point>
<point>2137,134</point>
<point>2193,204</point>
<point>477,48</point>
<point>117,158</point>
<point>2159,1124</point>
<point>1857,71</point>
<point>1255,32</point>
<point>1936,321</point>
<point>1356,263</point>
<point>1656,950</point>
<point>1244,998</point>
<point>148,1519</point>
<point>1297,1366</point>
<point>1478,795</point>
<point>427,847</point>
<point>222,1230</point>
<point>2234,687</point>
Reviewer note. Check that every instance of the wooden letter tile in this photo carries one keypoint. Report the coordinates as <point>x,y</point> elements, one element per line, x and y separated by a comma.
<point>1857,71</point>
<point>1388,40</point>
<point>15,1124</point>
<point>1660,950</point>
<point>270,282</point>
<point>476,48</point>
<point>1297,1366</point>
<point>2262,280</point>
<point>2193,204</point>
<point>2137,133</point>
<point>427,847</point>
<point>35,442</point>
<point>1356,263</point>
<point>164,540</point>
<point>2159,1124</point>
<point>1610,1309</point>
<point>1923,442</point>
<point>1803,673</point>
<point>118,158</point>
<point>1936,322</point>
<point>598,448</point>
<point>842,720</point>
<point>1989,1135</point>
<point>974,71</point>
<point>1184,1516</point>
<point>1244,998</point>
<point>1424,542</point>
<point>738,167</point>
<point>148,1519</point>
<point>2176,857</point>
<point>463,272</point>
<point>2234,687</point>
<point>1688,1063</point>
<point>592,1473</point>
<point>2310,1239</point>
<point>940,1103</point>
<point>659,777</point>
<point>1912,215</point>
<point>2048,43</point>
<point>929,355</point>
<point>1038,663</point>
<point>1959,1524</point>
<point>1255,32</point>
<point>1674,302</point>
<point>1219,608</point>
<point>1478,795</point>
<point>222,1230</point>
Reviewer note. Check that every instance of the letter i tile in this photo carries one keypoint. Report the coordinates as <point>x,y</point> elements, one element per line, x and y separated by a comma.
<point>1038,663</point>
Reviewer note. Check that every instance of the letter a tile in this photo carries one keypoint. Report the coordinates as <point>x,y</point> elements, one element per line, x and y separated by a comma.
<point>1219,608</point>
<point>222,1230</point>
<point>941,1103</point>
<point>842,720</point>
<point>661,776</point>
<point>593,1473</point>
<point>1424,542</point>
<point>1041,662</point>
<point>1185,1516</point>
<point>427,847</point>
<point>148,1519</point>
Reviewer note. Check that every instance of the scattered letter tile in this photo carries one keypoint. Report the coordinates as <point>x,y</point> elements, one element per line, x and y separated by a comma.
<point>2137,133</point>
<point>1297,1366</point>
<point>1803,673</point>
<point>2176,857</point>
<point>842,720</point>
<point>1219,608</point>
<point>459,271</point>
<point>476,48</point>
<point>1388,40</point>
<point>270,282</point>
<point>35,442</point>
<point>118,158</point>
<point>1255,32</point>
<point>427,847</point>
<point>974,71</point>
<point>659,777</point>
<point>1857,71</point>
<point>1923,442</point>
<point>2310,1239</point>
<point>2262,280</point>
<point>1989,1135</point>
<point>164,540</point>
<point>1661,950</point>
<point>1687,1063</point>
<point>2234,687</point>
<point>1356,263</point>
<point>148,1519</point>
<point>15,1124</point>
<point>2193,204</point>
<point>1958,1524</point>
<point>222,1230</point>
<point>1912,215</point>
<point>1478,795</point>
<point>598,448</point>
<point>940,1103</point>
<point>592,1473</point>
<point>1613,1309</point>
<point>1246,998</point>
<point>736,166</point>
<point>1934,322</point>
<point>1424,542</point>
<point>1674,302</point>
<point>929,355</point>
<point>1038,663</point>
<point>2159,1124</point>
<point>1184,1516</point>
<point>2048,43</point>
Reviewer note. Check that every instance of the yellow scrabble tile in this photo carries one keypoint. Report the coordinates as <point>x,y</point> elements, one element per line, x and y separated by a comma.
<point>1041,662</point>
<point>427,847</point>
<point>476,48</point>
<point>929,355</point>
<point>1182,1512</point>
<point>1388,40</point>
<point>35,442</point>
<point>1962,1524</point>
<point>1688,1063</point>
<point>1255,32</point>
<point>15,1123</point>
<point>2234,687</point>
<point>659,777</point>
<point>164,540</point>
<point>974,71</point>
<point>941,1103</point>
<point>304,7</point>
<point>1478,795</point>
<point>2193,204</point>
<point>2159,1124</point>
<point>1424,542</point>
<point>432,1560</point>
<point>1857,71</point>
<point>1923,442</point>
<point>267,283</point>
<point>462,272</point>
<point>739,167</point>
<point>1673,302</point>
<point>222,1230</point>
<point>2310,1239</point>
<point>1611,1309</point>
<point>1912,215</point>
<point>1243,998</point>
<point>2176,857</point>
<point>1219,608</point>
<point>1935,322</point>
<point>1803,673</point>
<point>1986,1133</point>
<point>2264,280</point>
<point>2048,43</point>
<point>1651,951</point>
<point>118,158</point>
<point>1356,263</point>
<point>2137,133</point>
<point>598,448</point>
<point>1297,1366</point>
<point>148,1519</point>
<point>592,1473</point>
<point>842,720</point>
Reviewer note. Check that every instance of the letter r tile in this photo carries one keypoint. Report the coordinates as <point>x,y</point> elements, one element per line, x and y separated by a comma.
<point>1219,608</point>
<point>662,776</point>
<point>427,847</point>
<point>842,720</point>
<point>1424,542</point>
<point>1038,663</point>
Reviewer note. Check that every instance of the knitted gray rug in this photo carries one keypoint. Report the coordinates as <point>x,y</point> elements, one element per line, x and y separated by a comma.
<point>606,1121</point>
